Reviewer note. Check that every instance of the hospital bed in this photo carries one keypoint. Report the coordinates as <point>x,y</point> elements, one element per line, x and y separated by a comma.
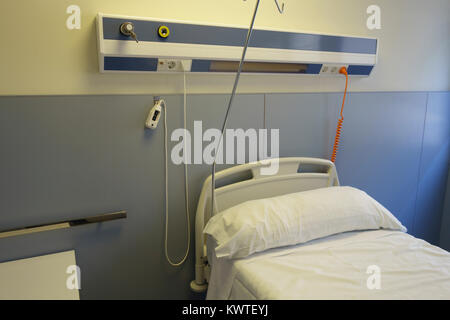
<point>358,264</point>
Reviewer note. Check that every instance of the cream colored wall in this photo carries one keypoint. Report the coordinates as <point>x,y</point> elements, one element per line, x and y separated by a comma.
<point>40,56</point>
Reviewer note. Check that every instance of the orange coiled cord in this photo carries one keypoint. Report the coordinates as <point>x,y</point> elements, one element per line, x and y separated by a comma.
<point>343,71</point>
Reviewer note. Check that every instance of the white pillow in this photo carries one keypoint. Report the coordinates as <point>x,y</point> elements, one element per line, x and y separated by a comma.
<point>258,225</point>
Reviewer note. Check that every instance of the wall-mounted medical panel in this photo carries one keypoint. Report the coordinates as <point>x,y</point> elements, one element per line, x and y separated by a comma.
<point>132,44</point>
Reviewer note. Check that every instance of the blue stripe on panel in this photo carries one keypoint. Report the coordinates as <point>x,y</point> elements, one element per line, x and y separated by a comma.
<point>228,36</point>
<point>130,64</point>
<point>313,68</point>
<point>200,65</point>
<point>359,70</point>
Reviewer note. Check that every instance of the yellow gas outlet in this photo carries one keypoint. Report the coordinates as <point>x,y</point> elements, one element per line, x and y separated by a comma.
<point>163,31</point>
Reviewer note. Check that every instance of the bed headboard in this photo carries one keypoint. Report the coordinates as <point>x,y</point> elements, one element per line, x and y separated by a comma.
<point>294,175</point>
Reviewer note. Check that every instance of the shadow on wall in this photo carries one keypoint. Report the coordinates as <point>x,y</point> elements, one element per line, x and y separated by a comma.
<point>445,230</point>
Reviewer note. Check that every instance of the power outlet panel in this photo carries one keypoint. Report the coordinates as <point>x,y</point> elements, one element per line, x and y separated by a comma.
<point>172,65</point>
<point>332,69</point>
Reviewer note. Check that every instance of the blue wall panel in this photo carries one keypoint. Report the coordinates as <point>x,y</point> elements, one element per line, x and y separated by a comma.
<point>381,146</point>
<point>72,157</point>
<point>75,156</point>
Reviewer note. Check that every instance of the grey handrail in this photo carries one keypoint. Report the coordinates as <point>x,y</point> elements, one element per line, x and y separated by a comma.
<point>63,224</point>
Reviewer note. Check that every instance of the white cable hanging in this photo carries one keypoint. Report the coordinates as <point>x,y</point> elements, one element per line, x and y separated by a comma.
<point>188,227</point>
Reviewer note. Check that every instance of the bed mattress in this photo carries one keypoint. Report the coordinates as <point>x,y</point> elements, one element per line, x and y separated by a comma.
<point>377,264</point>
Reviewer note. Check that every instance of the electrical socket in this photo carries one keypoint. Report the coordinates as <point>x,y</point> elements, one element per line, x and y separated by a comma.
<point>331,68</point>
<point>171,65</point>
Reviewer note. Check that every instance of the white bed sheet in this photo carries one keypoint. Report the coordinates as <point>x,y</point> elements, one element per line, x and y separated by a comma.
<point>336,268</point>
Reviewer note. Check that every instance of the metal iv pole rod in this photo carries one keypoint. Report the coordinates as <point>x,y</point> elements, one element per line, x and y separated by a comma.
<point>230,105</point>
<point>233,94</point>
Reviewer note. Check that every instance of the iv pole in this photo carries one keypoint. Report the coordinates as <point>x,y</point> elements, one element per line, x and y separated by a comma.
<point>198,285</point>
<point>233,94</point>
